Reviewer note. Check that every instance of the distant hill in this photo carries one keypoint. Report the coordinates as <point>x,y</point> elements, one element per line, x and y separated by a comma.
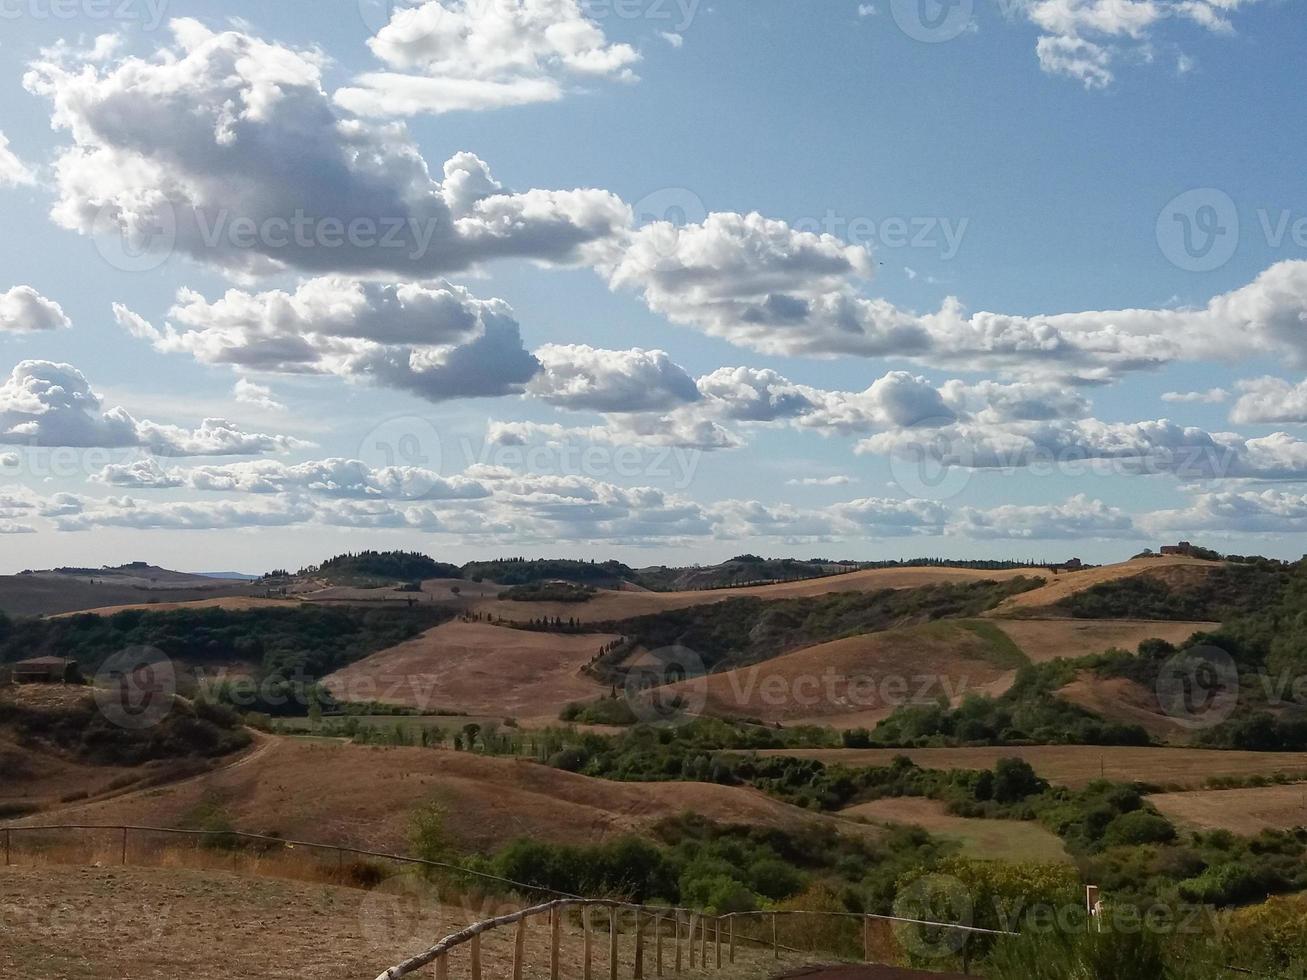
<point>61,590</point>
<point>380,568</point>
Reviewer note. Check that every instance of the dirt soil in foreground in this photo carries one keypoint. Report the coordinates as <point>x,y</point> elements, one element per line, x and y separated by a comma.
<point>864,973</point>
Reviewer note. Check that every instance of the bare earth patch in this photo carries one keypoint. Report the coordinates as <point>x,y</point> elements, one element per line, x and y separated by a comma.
<point>1243,811</point>
<point>1076,765</point>
<point>479,669</point>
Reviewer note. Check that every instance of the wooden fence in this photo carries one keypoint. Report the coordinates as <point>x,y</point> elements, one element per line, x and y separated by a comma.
<point>713,938</point>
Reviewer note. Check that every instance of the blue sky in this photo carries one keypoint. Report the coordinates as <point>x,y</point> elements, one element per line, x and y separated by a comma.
<point>808,193</point>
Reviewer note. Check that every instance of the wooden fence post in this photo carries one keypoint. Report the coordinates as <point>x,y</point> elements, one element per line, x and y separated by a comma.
<point>475,946</point>
<point>677,923</point>
<point>8,844</point>
<point>442,967</point>
<point>866,939</point>
<point>555,938</point>
<point>775,946</point>
<point>731,926</point>
<point>612,942</point>
<point>519,949</point>
<point>639,947</point>
<point>703,942</point>
<point>124,846</point>
<point>717,939</point>
<point>588,941</point>
<point>658,945</point>
<point>693,919</point>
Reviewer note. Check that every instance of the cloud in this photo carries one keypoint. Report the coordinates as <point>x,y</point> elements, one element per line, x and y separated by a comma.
<point>1212,396</point>
<point>821,481</point>
<point>579,377</point>
<point>1077,519</point>
<point>1138,448</point>
<point>672,38</point>
<point>22,309</point>
<point>1085,61</point>
<point>435,340</point>
<point>335,478</point>
<point>260,396</point>
<point>47,404</point>
<point>448,55</point>
<point>13,172</point>
<point>1270,400</point>
<point>761,284</point>
<point>1267,512</point>
<point>226,148</point>
<point>1116,27</point>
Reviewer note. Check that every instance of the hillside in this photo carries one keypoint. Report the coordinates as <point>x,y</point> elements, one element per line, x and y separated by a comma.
<point>1057,589</point>
<point>56,745</point>
<point>43,593</point>
<point>612,606</point>
<point>1047,639</point>
<point>857,681</point>
<point>1078,765</point>
<point>478,669</point>
<point>350,794</point>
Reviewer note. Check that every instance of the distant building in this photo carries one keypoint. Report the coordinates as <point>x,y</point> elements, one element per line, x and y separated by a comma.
<point>1070,565</point>
<point>47,670</point>
<point>1183,548</point>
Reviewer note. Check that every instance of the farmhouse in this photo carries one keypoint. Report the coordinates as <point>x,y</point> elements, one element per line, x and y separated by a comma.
<point>46,670</point>
<point>1183,548</point>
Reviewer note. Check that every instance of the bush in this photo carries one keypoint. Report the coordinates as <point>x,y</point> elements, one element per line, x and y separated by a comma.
<point>1139,827</point>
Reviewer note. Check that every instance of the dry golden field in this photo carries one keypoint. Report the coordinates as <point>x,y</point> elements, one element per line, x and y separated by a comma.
<point>335,792</point>
<point>856,681</point>
<point>478,669</point>
<point>1243,811</point>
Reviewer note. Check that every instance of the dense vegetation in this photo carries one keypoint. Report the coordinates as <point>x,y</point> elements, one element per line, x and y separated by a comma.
<point>1221,594</point>
<point>524,571</point>
<point>377,568</point>
<point>548,592</point>
<point>747,629</point>
<point>1028,712</point>
<point>81,729</point>
<point>289,648</point>
<point>725,868</point>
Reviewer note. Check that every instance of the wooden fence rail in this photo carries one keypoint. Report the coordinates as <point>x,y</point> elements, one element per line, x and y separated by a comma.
<point>702,943</point>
